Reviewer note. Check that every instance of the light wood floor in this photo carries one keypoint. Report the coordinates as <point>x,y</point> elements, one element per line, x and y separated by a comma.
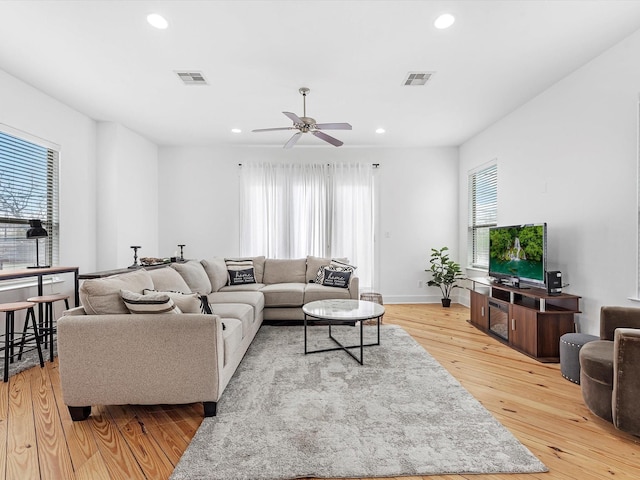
<point>545,412</point>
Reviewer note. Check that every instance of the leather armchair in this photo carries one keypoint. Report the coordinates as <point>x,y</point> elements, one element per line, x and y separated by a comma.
<point>610,369</point>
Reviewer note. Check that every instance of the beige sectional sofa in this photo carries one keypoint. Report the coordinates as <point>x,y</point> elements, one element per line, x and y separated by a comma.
<point>108,356</point>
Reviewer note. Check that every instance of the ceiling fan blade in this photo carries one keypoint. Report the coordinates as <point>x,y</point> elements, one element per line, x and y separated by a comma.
<point>293,117</point>
<point>272,129</point>
<point>327,138</point>
<point>293,140</point>
<point>333,126</point>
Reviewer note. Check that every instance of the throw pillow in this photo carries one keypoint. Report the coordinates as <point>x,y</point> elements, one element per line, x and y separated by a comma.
<point>334,265</point>
<point>167,279</point>
<point>186,302</point>
<point>240,271</point>
<point>334,278</point>
<point>216,269</point>
<point>194,274</point>
<point>157,302</point>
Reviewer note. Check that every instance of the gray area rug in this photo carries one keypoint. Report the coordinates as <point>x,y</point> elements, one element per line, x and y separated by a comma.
<point>29,359</point>
<point>285,415</point>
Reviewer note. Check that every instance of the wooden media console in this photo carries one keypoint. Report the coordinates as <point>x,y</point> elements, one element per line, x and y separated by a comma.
<point>527,319</point>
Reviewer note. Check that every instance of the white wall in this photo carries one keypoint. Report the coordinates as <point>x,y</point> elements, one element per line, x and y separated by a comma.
<point>29,110</point>
<point>127,196</point>
<point>24,108</point>
<point>569,158</point>
<point>199,206</point>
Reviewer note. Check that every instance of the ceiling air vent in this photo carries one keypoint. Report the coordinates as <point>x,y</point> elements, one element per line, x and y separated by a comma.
<point>417,78</point>
<point>192,78</point>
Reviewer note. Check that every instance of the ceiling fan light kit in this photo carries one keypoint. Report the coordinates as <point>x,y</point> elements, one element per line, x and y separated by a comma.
<point>307,124</point>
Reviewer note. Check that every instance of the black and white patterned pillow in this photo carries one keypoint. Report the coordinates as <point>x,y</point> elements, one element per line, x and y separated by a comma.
<point>336,266</point>
<point>157,302</point>
<point>240,271</point>
<point>334,278</point>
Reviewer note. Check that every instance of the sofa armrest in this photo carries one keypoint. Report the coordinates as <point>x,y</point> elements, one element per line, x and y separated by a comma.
<point>617,317</point>
<point>140,359</point>
<point>626,380</point>
<point>354,287</point>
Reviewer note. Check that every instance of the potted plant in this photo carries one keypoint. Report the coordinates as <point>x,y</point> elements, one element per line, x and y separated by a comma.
<point>445,272</point>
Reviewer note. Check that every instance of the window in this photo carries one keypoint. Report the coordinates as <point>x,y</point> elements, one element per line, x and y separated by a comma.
<point>28,190</point>
<point>291,211</point>
<point>483,212</point>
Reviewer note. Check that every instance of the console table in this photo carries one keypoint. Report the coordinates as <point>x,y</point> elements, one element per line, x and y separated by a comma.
<point>529,320</point>
<point>41,272</point>
<point>119,271</point>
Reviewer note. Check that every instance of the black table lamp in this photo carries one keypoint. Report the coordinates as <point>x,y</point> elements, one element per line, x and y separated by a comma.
<point>36,231</point>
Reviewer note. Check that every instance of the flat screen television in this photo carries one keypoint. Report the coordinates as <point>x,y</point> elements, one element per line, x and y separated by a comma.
<point>518,252</point>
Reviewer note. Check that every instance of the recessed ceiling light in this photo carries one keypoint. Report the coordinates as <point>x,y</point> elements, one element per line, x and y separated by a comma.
<point>444,21</point>
<point>157,21</point>
<point>380,130</point>
<point>236,130</point>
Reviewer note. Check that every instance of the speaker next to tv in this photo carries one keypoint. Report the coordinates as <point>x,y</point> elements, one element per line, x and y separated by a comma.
<point>554,283</point>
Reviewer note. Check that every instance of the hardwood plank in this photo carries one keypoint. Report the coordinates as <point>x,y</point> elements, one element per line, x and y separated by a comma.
<point>78,436</point>
<point>53,454</point>
<point>22,451</point>
<point>150,458</point>
<point>115,451</point>
<point>4,415</point>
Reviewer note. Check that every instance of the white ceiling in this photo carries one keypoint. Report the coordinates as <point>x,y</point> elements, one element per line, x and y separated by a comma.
<point>104,60</point>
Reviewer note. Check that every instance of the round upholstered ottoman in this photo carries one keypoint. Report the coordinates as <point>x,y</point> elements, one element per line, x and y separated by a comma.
<point>570,345</point>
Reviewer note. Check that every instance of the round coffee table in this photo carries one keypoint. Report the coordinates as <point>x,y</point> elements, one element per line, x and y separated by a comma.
<point>342,312</point>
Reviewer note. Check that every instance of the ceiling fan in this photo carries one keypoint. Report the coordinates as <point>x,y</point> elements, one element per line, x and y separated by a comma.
<point>307,124</point>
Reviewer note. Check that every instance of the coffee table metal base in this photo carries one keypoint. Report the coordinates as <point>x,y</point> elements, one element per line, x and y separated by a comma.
<point>340,346</point>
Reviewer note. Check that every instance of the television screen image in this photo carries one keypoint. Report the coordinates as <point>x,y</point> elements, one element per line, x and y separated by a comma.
<point>518,251</point>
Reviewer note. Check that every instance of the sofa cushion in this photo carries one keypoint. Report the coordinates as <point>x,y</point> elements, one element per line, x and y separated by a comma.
<point>153,302</point>
<point>241,311</point>
<point>216,270</point>
<point>240,271</point>
<point>255,299</point>
<point>596,361</point>
<point>101,296</point>
<point>193,273</point>
<point>258,266</point>
<point>284,295</point>
<point>232,337</point>
<point>186,302</point>
<point>313,292</point>
<point>248,287</point>
<point>285,271</point>
<point>167,279</point>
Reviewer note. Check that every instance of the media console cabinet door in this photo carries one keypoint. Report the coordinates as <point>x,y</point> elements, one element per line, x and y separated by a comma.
<point>479,310</point>
<point>524,329</point>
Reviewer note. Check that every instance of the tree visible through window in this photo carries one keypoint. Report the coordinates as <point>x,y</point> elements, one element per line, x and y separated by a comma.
<point>28,190</point>
<point>483,212</point>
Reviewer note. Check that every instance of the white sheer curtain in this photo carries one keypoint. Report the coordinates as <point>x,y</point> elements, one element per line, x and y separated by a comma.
<point>295,210</point>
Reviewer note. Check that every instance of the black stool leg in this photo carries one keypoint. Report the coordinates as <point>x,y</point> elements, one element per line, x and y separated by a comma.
<point>8,320</point>
<point>32,314</point>
<point>50,324</point>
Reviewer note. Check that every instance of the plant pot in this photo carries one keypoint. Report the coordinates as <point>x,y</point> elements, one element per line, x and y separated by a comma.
<point>446,302</point>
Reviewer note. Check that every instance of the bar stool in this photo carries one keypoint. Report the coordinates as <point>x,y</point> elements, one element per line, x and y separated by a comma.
<point>9,341</point>
<point>47,328</point>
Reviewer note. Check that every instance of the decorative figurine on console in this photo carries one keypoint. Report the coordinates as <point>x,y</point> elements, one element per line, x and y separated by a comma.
<point>181,259</point>
<point>135,263</point>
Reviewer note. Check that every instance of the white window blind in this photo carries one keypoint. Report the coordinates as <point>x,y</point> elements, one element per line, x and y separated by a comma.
<point>483,212</point>
<point>28,190</point>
